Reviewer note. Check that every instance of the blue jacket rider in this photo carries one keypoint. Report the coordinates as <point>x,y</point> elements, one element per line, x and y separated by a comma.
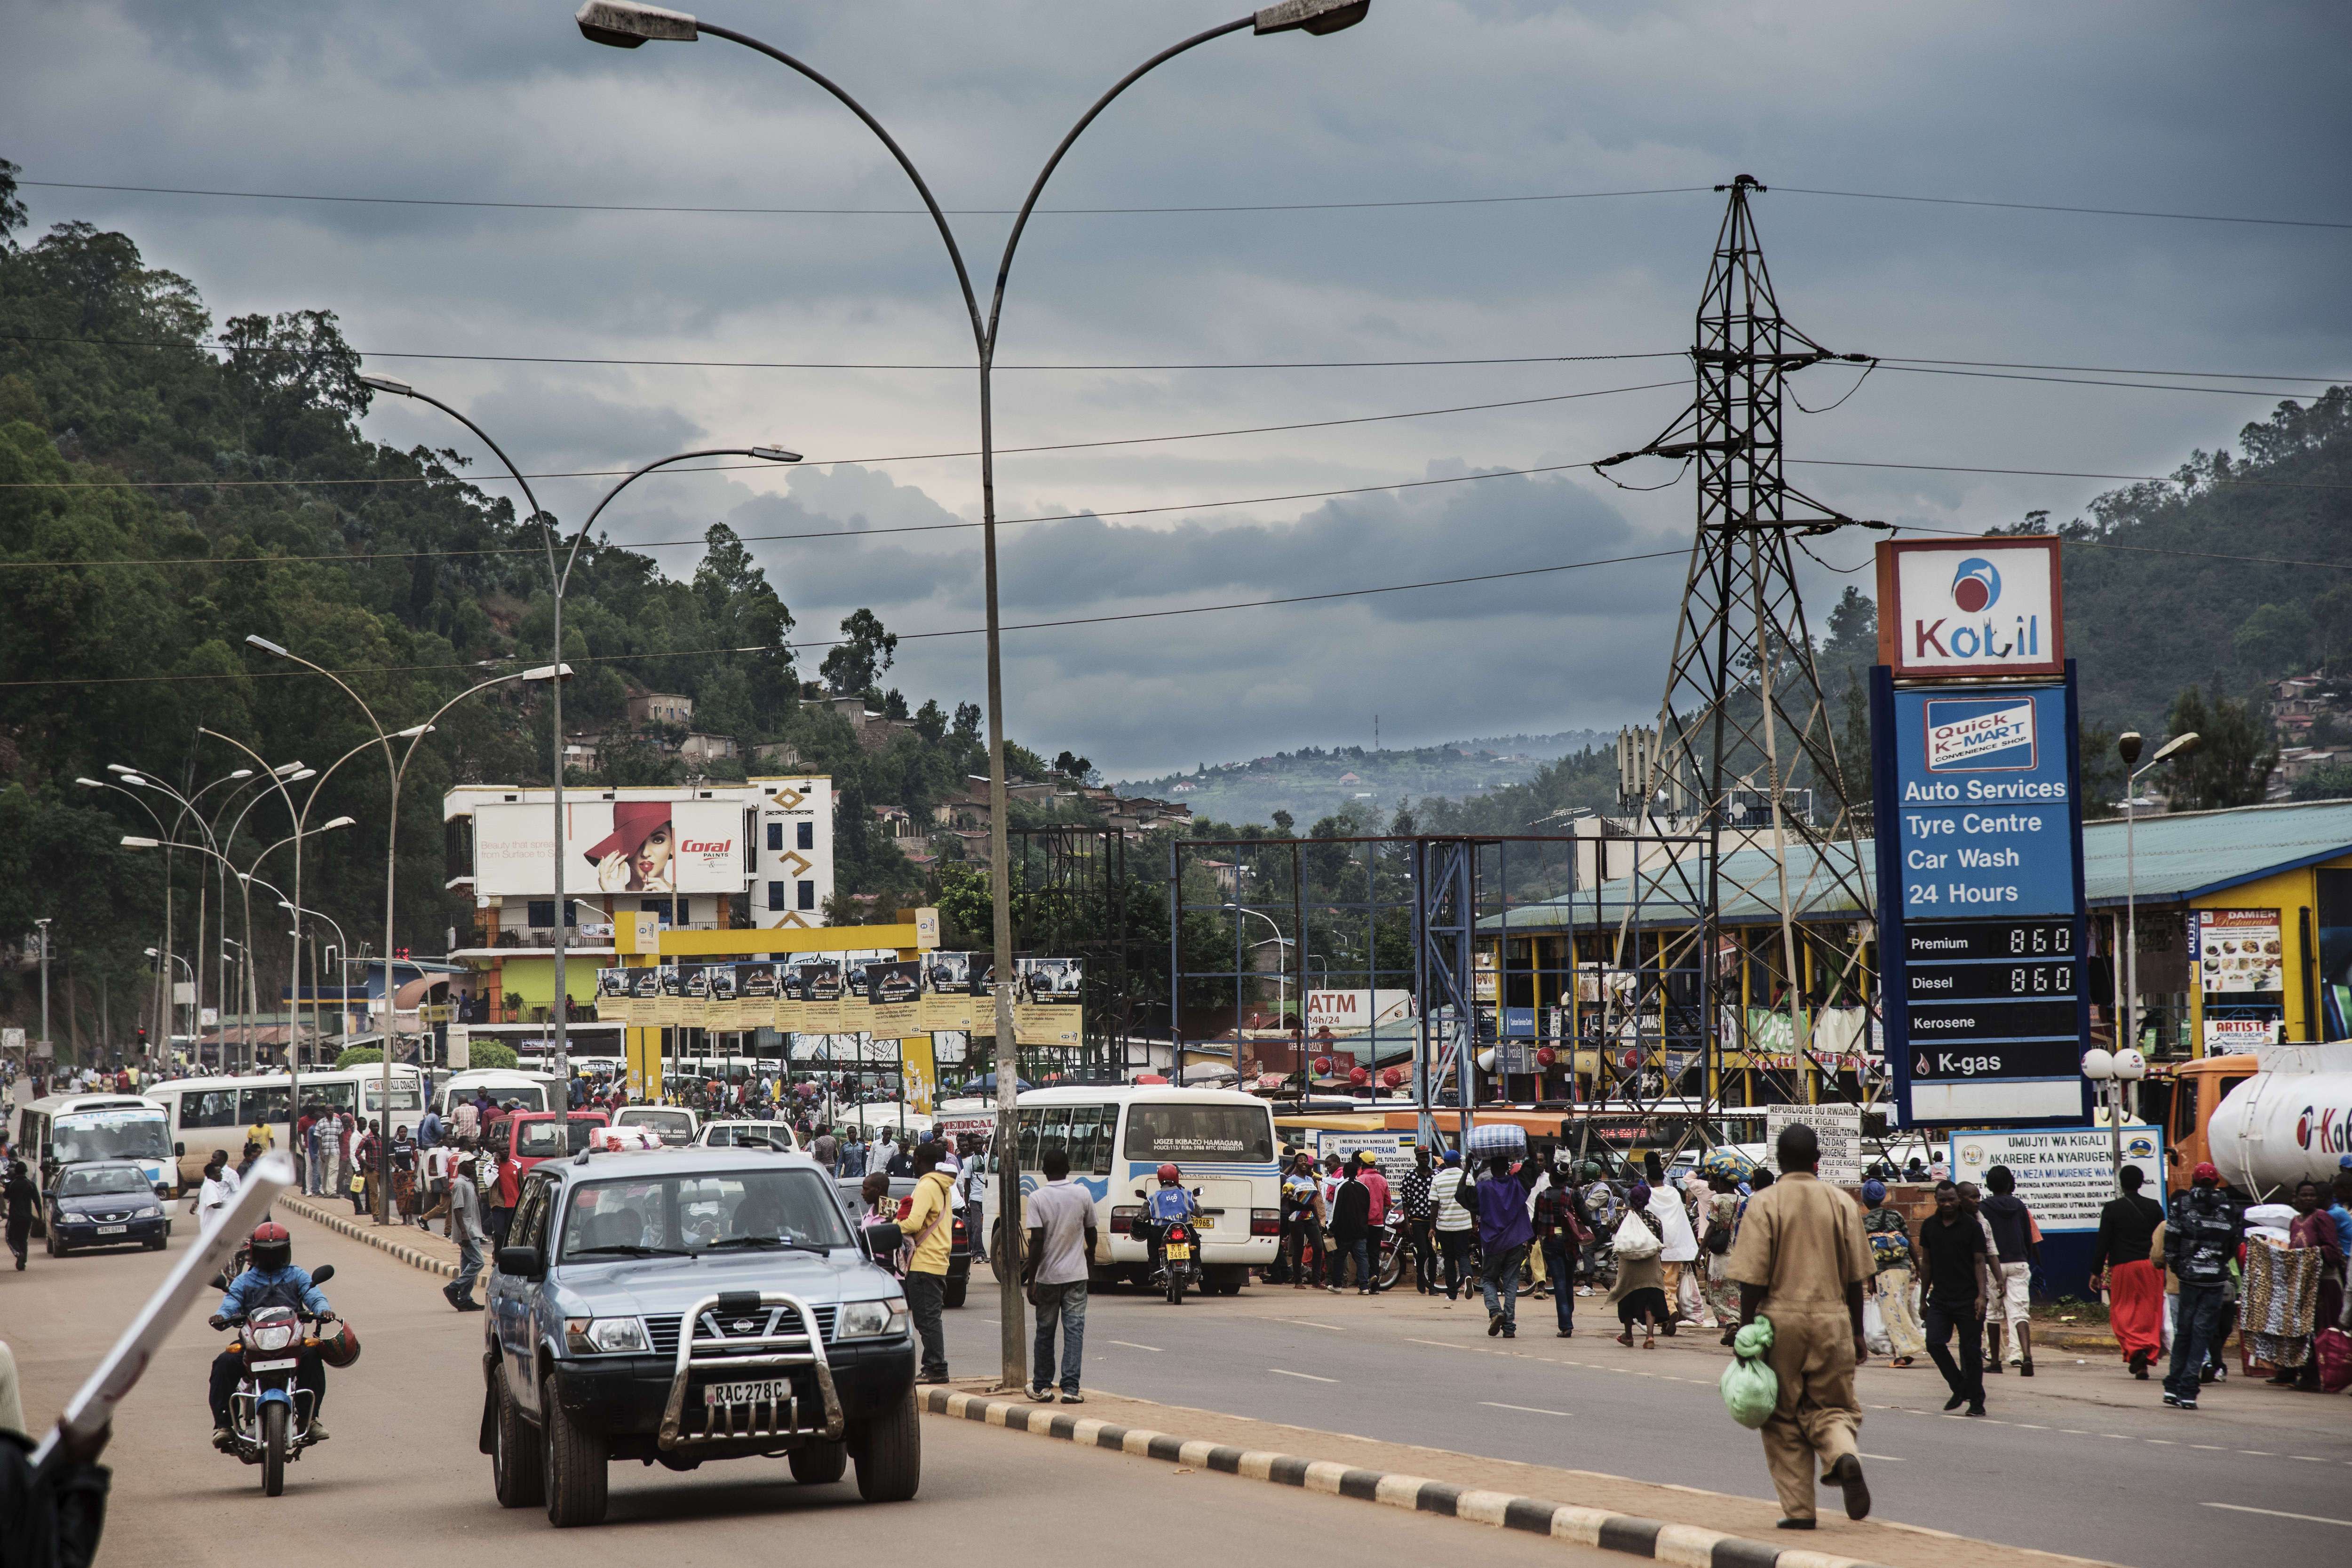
<point>270,1280</point>
<point>1170,1202</point>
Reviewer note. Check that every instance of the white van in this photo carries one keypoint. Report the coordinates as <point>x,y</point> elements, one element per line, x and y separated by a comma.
<point>68,1129</point>
<point>1118,1138</point>
<point>209,1113</point>
<point>674,1125</point>
<point>528,1089</point>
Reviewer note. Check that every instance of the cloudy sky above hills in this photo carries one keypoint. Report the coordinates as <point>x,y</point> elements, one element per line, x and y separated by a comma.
<point>2157,107</point>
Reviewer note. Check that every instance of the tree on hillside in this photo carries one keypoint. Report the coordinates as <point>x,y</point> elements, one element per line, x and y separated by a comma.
<point>858,661</point>
<point>2232,764</point>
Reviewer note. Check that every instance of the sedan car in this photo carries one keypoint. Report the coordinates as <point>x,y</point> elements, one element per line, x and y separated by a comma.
<point>104,1203</point>
<point>853,1198</point>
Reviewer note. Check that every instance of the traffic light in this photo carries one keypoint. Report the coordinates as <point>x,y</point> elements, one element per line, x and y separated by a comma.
<point>142,1039</point>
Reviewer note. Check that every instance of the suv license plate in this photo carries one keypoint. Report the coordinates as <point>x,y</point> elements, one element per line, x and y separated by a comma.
<point>768,1390</point>
<point>114,1229</point>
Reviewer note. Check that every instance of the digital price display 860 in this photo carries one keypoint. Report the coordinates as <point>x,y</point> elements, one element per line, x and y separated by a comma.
<point>1952,941</point>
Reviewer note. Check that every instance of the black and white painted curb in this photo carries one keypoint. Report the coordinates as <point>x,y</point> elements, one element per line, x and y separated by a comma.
<point>376,1236</point>
<point>1687,1545</point>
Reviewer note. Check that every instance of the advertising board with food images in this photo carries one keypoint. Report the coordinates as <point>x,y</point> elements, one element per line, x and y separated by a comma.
<point>2238,951</point>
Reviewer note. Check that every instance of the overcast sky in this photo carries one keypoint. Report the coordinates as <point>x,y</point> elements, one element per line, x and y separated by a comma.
<point>2180,107</point>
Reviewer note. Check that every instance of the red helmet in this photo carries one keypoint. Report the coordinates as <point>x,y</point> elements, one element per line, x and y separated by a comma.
<point>341,1347</point>
<point>269,1247</point>
<point>1170,1174</point>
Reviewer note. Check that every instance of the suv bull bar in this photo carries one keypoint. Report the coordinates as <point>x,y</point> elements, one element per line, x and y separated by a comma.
<point>804,1346</point>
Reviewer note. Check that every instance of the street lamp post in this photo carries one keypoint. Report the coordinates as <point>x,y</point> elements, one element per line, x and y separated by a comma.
<point>2128,746</point>
<point>395,770</point>
<point>560,579</point>
<point>47,1050</point>
<point>624,24</point>
<point>188,811</point>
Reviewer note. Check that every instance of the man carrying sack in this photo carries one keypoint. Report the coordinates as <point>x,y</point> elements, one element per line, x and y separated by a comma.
<point>1802,1260</point>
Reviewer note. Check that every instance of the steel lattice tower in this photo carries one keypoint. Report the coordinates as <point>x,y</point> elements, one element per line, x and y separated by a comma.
<point>1745,753</point>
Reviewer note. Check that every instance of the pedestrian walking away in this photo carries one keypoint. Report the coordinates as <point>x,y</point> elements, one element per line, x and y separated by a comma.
<point>2201,1236</point>
<point>1060,1218</point>
<point>1952,1246</point>
<point>1351,1231</point>
<point>1895,1266</point>
<point>1453,1223</point>
<point>1639,1294</point>
<point>1500,1202</point>
<point>465,1229</point>
<point>1420,1211</point>
<point>1561,1233</point>
<point>929,1234</point>
<point>1802,1261</point>
<point>2019,1241</point>
<point>2121,1262</point>
<point>22,1200</point>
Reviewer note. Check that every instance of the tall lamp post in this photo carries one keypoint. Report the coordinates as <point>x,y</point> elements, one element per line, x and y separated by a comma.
<point>395,771</point>
<point>2111,1070</point>
<point>560,578</point>
<point>626,24</point>
<point>47,1050</point>
<point>167,958</point>
<point>2128,746</point>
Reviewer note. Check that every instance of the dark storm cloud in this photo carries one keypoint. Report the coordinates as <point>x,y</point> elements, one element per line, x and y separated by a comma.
<point>2167,105</point>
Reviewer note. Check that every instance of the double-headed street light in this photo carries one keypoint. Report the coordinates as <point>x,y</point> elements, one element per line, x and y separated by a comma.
<point>396,772</point>
<point>624,24</point>
<point>560,578</point>
<point>2128,746</point>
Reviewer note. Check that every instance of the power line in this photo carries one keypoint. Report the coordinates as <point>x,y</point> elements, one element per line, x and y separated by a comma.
<point>2060,207</point>
<point>903,636</point>
<point>1919,369</point>
<point>1889,360</point>
<point>828,462</point>
<point>854,212</point>
<point>1225,207</point>
<point>2073,474</point>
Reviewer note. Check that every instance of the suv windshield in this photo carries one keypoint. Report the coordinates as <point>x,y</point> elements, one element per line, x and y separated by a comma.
<point>546,1140</point>
<point>686,1214</point>
<point>111,1135</point>
<point>119,1179</point>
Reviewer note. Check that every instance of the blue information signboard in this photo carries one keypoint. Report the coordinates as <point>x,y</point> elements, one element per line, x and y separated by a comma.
<point>1981,936</point>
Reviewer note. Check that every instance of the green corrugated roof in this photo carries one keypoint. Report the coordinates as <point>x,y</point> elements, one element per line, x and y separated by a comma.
<point>2179,857</point>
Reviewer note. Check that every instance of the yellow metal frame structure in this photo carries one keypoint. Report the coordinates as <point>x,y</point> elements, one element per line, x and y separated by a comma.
<point>642,942</point>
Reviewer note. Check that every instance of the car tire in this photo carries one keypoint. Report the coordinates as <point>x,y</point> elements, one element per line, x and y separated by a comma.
<point>819,1463</point>
<point>575,1465</point>
<point>952,1293</point>
<point>888,1449</point>
<point>515,1471</point>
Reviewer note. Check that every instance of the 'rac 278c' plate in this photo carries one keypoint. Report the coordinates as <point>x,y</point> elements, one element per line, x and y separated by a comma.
<point>768,1390</point>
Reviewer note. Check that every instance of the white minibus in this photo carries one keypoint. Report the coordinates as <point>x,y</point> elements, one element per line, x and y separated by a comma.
<point>1221,1142</point>
<point>209,1113</point>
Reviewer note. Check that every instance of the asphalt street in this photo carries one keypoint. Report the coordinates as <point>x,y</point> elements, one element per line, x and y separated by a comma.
<point>400,1481</point>
<point>2079,1460</point>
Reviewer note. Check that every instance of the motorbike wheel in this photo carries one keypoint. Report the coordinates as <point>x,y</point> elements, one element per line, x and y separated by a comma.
<point>1392,1268</point>
<point>515,1473</point>
<point>1175,1287</point>
<point>273,1448</point>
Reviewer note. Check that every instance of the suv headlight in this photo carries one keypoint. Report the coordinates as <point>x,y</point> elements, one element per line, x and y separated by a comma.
<point>871,1320</point>
<point>604,1336</point>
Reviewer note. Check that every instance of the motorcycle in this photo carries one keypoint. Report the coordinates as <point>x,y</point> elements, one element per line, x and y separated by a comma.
<point>269,1417</point>
<point>1179,1255</point>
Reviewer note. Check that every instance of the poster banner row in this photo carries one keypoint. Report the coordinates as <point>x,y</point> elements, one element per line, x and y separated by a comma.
<point>938,992</point>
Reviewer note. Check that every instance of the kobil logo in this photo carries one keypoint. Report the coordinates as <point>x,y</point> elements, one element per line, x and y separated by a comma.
<point>1975,586</point>
<point>1977,607</point>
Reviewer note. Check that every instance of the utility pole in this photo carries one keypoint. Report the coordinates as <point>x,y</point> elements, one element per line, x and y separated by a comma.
<point>1744,726</point>
<point>47,1050</point>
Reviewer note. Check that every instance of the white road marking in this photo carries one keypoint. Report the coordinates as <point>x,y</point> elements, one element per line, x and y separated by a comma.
<point>1884,1459</point>
<point>1530,1409</point>
<point>1131,1345</point>
<point>2210,1448</point>
<point>1441,1344</point>
<point>1309,1377</point>
<point>2281,1513</point>
<point>1311,1323</point>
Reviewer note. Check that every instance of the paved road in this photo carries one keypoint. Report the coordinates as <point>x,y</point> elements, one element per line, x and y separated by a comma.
<point>2080,1460</point>
<point>400,1482</point>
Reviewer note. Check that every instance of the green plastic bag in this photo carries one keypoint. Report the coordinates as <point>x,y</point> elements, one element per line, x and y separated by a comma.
<point>1750,1389</point>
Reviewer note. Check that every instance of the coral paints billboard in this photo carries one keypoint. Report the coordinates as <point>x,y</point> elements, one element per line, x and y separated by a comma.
<point>1962,608</point>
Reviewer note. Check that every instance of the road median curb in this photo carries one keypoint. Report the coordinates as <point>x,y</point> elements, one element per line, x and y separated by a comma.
<point>1687,1546</point>
<point>374,1235</point>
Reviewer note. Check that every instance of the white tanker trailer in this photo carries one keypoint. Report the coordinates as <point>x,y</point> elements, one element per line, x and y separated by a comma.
<point>2291,1121</point>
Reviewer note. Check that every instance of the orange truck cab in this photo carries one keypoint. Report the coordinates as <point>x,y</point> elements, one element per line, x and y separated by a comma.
<point>2197,1088</point>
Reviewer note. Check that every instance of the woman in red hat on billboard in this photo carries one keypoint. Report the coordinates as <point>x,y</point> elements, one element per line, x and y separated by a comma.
<point>636,855</point>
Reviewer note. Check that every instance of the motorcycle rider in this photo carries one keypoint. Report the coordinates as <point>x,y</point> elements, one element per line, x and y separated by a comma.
<point>1170,1203</point>
<point>270,1280</point>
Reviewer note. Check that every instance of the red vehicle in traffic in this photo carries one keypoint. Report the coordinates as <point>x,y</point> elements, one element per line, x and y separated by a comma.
<point>521,1139</point>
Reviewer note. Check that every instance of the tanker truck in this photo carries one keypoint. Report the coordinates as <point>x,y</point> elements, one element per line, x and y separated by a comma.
<point>2269,1119</point>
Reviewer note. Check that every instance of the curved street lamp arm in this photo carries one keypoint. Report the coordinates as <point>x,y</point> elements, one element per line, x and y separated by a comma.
<point>955,254</point>
<point>426,728</point>
<point>563,578</point>
<point>1021,222</point>
<point>484,436</point>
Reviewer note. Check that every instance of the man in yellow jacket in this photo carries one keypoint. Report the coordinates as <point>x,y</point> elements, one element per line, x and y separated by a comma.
<point>929,1228</point>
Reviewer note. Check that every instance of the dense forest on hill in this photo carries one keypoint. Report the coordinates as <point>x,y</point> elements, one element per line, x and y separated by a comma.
<point>202,494</point>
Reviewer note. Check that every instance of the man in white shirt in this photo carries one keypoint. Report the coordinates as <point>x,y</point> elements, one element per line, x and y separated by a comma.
<point>1456,1225</point>
<point>465,1229</point>
<point>1061,1222</point>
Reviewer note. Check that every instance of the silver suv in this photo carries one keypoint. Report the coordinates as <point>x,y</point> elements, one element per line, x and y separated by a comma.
<point>679,1305</point>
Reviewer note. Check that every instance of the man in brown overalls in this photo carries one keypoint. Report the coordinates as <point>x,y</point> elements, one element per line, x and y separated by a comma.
<point>1802,1260</point>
